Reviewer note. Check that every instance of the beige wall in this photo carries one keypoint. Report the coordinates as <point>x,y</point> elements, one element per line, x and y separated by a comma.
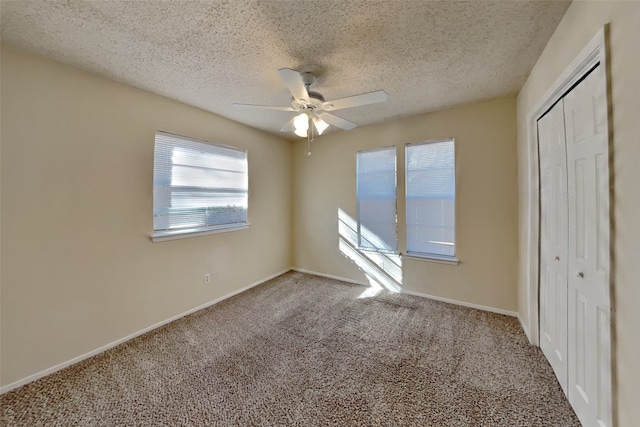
<point>485,135</point>
<point>78,268</point>
<point>581,22</point>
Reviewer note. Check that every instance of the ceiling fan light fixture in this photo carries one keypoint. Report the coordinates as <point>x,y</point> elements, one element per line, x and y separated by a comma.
<point>320,125</point>
<point>301,125</point>
<point>301,133</point>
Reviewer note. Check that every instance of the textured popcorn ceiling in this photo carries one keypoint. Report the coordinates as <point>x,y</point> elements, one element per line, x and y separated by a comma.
<point>427,55</point>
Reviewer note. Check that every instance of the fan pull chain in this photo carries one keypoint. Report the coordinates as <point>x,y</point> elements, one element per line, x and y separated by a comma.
<point>310,137</point>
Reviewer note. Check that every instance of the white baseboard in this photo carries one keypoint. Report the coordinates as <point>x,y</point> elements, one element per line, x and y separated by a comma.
<point>329,276</point>
<point>447,300</point>
<point>525,328</point>
<point>99,350</point>
<point>463,303</point>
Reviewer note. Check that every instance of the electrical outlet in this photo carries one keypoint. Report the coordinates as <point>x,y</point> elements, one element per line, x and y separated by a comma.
<point>207,278</point>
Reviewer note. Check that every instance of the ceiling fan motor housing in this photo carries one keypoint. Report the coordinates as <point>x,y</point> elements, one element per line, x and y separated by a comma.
<point>315,100</point>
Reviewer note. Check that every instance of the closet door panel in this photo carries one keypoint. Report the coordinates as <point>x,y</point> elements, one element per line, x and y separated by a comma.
<point>588,244</point>
<point>553,240</point>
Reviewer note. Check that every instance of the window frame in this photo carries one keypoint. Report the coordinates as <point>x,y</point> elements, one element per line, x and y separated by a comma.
<point>427,256</point>
<point>395,251</point>
<point>183,233</point>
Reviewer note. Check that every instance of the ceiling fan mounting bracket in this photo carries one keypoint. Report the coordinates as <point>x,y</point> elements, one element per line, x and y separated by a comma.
<point>308,78</point>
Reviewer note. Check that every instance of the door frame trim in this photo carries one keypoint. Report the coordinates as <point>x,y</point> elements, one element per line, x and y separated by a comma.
<point>593,53</point>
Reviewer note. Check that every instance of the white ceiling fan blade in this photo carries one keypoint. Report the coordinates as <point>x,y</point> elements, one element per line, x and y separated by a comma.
<point>337,121</point>
<point>288,127</point>
<point>264,107</point>
<point>293,81</point>
<point>355,101</point>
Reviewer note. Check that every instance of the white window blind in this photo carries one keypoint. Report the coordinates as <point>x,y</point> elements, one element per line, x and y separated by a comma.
<point>197,186</point>
<point>376,199</point>
<point>431,198</point>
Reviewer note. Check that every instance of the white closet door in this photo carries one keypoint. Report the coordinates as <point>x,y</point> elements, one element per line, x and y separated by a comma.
<point>588,280</point>
<point>553,241</point>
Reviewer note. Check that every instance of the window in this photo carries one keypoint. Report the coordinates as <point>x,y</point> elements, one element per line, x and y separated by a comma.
<point>431,199</point>
<point>198,187</point>
<point>376,199</point>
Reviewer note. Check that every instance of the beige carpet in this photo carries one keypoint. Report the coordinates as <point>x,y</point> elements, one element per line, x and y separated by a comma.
<point>306,351</point>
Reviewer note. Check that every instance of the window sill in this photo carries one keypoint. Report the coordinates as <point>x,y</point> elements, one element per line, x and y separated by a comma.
<point>174,235</point>
<point>432,258</point>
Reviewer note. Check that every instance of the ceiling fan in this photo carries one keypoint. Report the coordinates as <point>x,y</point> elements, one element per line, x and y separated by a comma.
<point>314,110</point>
